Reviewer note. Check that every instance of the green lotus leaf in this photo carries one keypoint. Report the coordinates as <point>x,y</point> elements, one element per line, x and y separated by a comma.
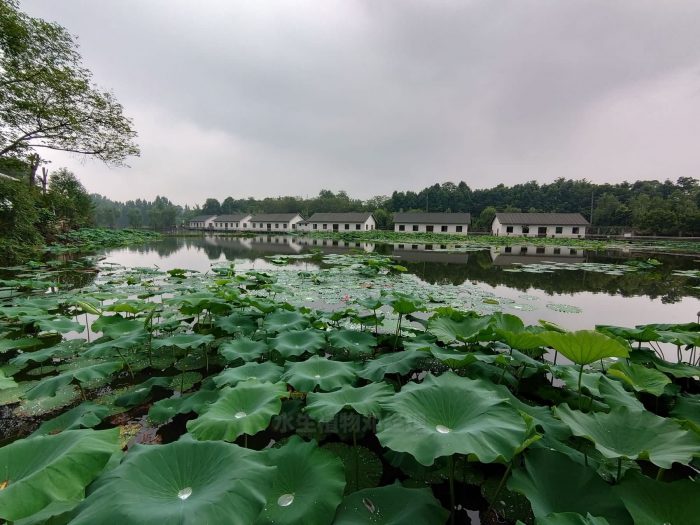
<point>585,346</point>
<point>405,304</point>
<point>129,306</point>
<point>185,482</point>
<point>6,382</point>
<point>61,325</point>
<point>354,341</point>
<point>40,470</point>
<point>245,409</point>
<point>449,330</point>
<point>679,338</point>
<point>394,363</point>
<point>672,369</point>
<point>125,342</point>
<point>572,518</point>
<point>307,486</point>
<point>282,321</point>
<point>183,341</point>
<point>49,386</point>
<point>365,400</point>
<point>556,484</point>
<point>165,409</point>
<point>56,513</point>
<point>453,357</point>
<point>615,395</point>
<point>115,326</point>
<point>85,415</point>
<point>267,371</point>
<point>243,348</point>
<point>643,334</point>
<point>140,393</point>
<point>363,469</point>
<point>687,409</point>
<point>63,349</point>
<point>625,433</point>
<point>640,378</point>
<point>298,342</point>
<point>236,323</point>
<point>391,505</point>
<point>7,345</point>
<point>448,415</point>
<point>652,502</point>
<point>319,372</point>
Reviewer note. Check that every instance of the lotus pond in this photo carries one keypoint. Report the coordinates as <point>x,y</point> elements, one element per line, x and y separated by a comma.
<point>211,380</point>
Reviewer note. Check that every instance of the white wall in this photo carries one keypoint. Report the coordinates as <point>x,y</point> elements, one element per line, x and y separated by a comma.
<point>437,228</point>
<point>369,225</point>
<point>231,225</point>
<point>566,231</point>
<point>277,227</point>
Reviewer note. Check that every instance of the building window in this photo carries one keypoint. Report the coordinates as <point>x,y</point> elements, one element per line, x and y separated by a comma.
<point>540,249</point>
<point>415,227</point>
<point>509,229</point>
<point>347,226</point>
<point>400,246</point>
<point>284,225</point>
<point>574,229</point>
<point>402,227</point>
<point>557,251</point>
<point>315,227</point>
<point>459,229</point>
<point>414,246</point>
<point>325,226</point>
<point>366,226</point>
<point>358,227</point>
<point>508,249</point>
<point>526,229</point>
<point>443,228</point>
<point>523,249</point>
<point>277,225</point>
<point>558,229</point>
<point>572,251</point>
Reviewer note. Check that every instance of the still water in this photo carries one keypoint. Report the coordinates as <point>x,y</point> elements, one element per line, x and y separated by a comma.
<point>658,295</point>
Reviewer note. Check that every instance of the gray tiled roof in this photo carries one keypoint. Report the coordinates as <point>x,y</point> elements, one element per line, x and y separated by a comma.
<point>432,218</point>
<point>273,217</point>
<point>340,217</point>
<point>201,218</point>
<point>543,219</point>
<point>235,217</point>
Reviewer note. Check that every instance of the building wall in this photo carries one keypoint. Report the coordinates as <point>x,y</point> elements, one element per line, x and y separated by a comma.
<point>437,228</point>
<point>277,227</point>
<point>232,225</point>
<point>368,225</point>
<point>566,231</point>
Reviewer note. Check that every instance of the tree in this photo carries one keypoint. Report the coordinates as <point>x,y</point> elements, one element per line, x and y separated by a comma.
<point>135,218</point>
<point>211,207</point>
<point>48,99</point>
<point>69,199</point>
<point>486,217</point>
<point>228,206</point>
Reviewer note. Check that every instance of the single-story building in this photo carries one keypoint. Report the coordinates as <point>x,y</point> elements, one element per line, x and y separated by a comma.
<point>353,221</point>
<point>232,222</point>
<point>539,225</point>
<point>275,222</point>
<point>202,222</point>
<point>432,222</point>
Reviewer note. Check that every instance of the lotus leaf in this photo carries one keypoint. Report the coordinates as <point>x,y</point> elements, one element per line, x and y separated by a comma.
<point>140,393</point>
<point>236,323</point>
<point>243,348</point>
<point>640,378</point>
<point>298,342</point>
<point>183,341</point>
<point>453,357</point>
<point>585,346</point>
<point>6,382</point>
<point>365,400</point>
<point>631,434</point>
<point>63,349</point>
<point>449,330</point>
<point>40,470</point>
<point>556,484</point>
<point>267,371</point>
<point>363,469</point>
<point>652,502</point>
<point>184,482</point>
<point>245,409</point>
<point>448,415</point>
<point>281,321</point>
<point>164,409</point>
<point>615,395</point>
<point>319,371</point>
<point>7,345</point>
<point>85,415</point>
<point>49,386</point>
<point>307,486</point>
<point>393,363</point>
<point>354,341</point>
<point>687,408</point>
<point>391,505</point>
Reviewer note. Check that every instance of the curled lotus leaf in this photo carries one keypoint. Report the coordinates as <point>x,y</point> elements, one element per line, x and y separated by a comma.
<point>585,346</point>
<point>307,485</point>
<point>448,415</point>
<point>49,386</point>
<point>243,348</point>
<point>448,329</point>
<point>320,372</point>
<point>40,470</point>
<point>365,400</point>
<point>391,505</point>
<point>183,341</point>
<point>393,363</point>
<point>184,482</point>
<point>245,409</point>
<point>632,434</point>
<point>267,371</point>
<point>62,325</point>
<point>283,320</point>
<point>85,415</point>
<point>640,378</point>
<point>299,342</point>
<point>197,402</point>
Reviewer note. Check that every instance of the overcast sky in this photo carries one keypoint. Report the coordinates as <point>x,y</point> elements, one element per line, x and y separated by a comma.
<point>274,97</point>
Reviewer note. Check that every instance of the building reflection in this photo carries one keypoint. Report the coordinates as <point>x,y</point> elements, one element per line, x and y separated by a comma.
<point>529,254</point>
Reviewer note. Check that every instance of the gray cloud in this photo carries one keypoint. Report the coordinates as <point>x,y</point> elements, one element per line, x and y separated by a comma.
<point>287,97</point>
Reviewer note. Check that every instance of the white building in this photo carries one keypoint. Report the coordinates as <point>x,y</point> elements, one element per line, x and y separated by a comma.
<point>274,222</point>
<point>232,222</point>
<point>539,225</point>
<point>420,222</point>
<point>202,222</point>
<point>340,222</point>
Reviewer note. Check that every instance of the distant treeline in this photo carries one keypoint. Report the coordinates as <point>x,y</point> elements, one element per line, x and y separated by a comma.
<point>644,207</point>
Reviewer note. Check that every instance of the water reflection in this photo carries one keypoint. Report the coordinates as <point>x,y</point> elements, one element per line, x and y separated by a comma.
<point>526,254</point>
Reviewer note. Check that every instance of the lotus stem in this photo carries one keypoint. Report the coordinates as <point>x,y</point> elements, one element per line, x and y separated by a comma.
<point>619,468</point>
<point>660,474</point>
<point>580,376</point>
<point>357,459</point>
<point>452,489</point>
<point>500,485</point>
<point>126,363</point>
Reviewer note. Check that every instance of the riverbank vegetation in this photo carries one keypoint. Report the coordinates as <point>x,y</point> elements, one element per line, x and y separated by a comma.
<point>339,409</point>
